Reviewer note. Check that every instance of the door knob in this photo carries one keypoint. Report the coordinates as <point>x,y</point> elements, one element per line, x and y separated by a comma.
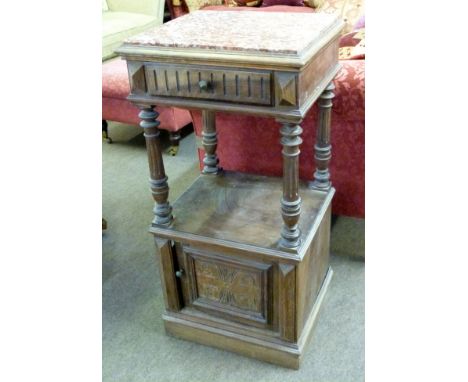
<point>179,273</point>
<point>203,85</point>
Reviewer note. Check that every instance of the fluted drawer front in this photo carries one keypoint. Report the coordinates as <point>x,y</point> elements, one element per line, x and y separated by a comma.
<point>252,87</point>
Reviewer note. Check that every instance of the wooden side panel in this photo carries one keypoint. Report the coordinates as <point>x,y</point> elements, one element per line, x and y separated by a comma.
<point>312,270</point>
<point>287,302</point>
<point>136,76</point>
<point>314,73</point>
<point>167,269</point>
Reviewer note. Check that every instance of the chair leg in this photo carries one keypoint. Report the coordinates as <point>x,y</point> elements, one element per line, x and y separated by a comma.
<point>174,138</point>
<point>105,133</point>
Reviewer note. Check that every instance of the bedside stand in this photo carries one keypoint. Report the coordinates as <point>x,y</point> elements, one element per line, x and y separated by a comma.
<point>244,259</point>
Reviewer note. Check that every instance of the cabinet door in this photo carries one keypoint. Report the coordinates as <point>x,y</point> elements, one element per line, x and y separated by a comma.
<point>167,268</point>
<point>228,287</point>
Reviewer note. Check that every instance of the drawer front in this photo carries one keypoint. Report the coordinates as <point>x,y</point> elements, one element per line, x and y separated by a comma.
<point>235,289</point>
<point>248,87</point>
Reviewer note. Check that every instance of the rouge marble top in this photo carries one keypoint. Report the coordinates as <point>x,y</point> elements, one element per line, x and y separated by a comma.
<point>250,32</point>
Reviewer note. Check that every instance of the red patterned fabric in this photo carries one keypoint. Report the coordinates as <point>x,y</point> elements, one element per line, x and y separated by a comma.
<point>251,144</point>
<point>115,107</point>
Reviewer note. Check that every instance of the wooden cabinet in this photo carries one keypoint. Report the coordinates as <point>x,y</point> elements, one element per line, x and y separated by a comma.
<point>228,272</point>
<point>244,259</point>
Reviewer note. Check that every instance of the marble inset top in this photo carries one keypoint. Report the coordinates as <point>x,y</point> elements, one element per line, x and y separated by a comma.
<point>270,32</point>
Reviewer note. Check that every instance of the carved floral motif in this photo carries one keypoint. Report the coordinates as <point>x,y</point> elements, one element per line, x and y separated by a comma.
<point>229,286</point>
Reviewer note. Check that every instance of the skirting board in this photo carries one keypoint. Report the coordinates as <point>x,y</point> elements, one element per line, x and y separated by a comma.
<point>286,356</point>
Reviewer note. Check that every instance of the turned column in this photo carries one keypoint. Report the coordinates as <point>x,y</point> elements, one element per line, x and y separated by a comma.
<point>210,142</point>
<point>291,201</point>
<point>322,145</point>
<point>158,179</point>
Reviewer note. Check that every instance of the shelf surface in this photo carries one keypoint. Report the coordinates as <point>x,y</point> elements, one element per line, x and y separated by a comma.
<point>241,208</point>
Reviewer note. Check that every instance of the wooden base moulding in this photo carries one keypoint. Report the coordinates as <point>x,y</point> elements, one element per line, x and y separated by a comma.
<point>283,355</point>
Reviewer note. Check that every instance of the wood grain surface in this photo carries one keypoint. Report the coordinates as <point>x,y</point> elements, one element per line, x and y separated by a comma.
<point>241,208</point>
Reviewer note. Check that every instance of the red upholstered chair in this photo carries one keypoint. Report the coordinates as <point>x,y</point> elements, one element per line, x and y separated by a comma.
<point>251,144</point>
<point>116,107</point>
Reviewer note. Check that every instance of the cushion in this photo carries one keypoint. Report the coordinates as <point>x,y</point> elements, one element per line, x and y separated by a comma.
<point>116,107</point>
<point>117,26</point>
<point>314,3</point>
<point>194,5</point>
<point>332,6</point>
<point>104,5</point>
<point>246,3</point>
<point>293,3</point>
<point>361,23</point>
<point>115,79</point>
<point>275,8</point>
<point>352,45</point>
<point>350,11</point>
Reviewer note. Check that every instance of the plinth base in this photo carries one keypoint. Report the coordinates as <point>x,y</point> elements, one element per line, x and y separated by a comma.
<point>286,354</point>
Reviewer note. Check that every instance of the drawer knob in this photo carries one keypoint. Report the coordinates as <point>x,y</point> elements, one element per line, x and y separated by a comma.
<point>203,85</point>
<point>179,273</point>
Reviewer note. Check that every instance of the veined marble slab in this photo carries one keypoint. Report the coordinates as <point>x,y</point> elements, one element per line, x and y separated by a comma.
<point>270,32</point>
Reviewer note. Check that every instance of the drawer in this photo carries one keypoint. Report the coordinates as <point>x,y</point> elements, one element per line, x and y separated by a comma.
<point>240,86</point>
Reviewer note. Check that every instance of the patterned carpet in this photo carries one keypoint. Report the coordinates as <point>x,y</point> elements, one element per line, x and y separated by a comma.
<point>135,346</point>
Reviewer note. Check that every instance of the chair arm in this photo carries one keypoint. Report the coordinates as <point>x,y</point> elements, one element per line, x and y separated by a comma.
<point>147,7</point>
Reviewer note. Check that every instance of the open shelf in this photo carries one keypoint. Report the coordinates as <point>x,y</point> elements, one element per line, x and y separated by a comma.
<point>240,208</point>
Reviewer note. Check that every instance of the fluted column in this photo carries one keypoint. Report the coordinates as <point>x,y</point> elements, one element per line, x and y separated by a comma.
<point>322,145</point>
<point>210,142</point>
<point>290,201</point>
<point>158,179</point>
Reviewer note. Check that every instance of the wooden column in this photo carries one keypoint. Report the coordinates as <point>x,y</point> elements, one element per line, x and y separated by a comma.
<point>158,179</point>
<point>322,145</point>
<point>210,142</point>
<point>291,201</point>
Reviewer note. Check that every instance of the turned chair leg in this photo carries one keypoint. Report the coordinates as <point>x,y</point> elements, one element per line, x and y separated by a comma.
<point>174,138</point>
<point>105,132</point>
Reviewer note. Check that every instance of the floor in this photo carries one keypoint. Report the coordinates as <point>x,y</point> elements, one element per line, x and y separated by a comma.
<point>135,346</point>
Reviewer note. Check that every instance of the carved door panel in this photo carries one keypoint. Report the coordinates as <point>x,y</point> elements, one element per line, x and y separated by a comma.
<point>228,287</point>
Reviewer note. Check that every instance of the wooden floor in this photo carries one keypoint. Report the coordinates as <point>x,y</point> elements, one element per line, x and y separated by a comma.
<point>240,208</point>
